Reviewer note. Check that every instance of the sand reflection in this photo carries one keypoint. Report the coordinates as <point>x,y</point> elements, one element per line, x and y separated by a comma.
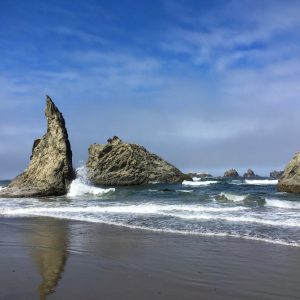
<point>49,244</point>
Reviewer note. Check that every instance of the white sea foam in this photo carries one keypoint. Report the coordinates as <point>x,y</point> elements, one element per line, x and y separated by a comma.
<point>234,197</point>
<point>81,186</point>
<point>93,219</point>
<point>198,183</point>
<point>117,209</point>
<point>282,203</point>
<point>240,219</point>
<point>236,182</point>
<point>196,178</point>
<point>184,191</point>
<point>262,181</point>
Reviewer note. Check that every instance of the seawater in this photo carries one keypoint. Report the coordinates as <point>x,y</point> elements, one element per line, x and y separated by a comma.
<point>248,209</point>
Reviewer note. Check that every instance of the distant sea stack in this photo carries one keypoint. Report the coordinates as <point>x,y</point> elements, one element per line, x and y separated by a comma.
<point>231,173</point>
<point>249,174</point>
<point>199,175</point>
<point>50,170</point>
<point>276,174</point>
<point>290,180</point>
<point>118,163</point>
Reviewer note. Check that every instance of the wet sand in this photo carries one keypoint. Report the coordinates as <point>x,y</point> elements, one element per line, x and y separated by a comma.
<point>45,258</point>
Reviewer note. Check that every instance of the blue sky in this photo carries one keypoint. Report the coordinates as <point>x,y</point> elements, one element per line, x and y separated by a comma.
<point>207,85</point>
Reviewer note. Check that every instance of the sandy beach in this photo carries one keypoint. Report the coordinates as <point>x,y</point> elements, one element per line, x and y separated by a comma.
<point>59,259</point>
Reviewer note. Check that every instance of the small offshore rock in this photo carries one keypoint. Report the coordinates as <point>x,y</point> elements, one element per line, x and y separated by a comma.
<point>249,174</point>
<point>200,175</point>
<point>231,173</point>
<point>276,174</point>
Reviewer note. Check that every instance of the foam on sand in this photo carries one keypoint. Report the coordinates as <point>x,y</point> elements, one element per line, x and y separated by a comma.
<point>198,183</point>
<point>262,181</point>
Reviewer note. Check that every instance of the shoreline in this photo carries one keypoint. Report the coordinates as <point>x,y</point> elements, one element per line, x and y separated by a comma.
<point>44,257</point>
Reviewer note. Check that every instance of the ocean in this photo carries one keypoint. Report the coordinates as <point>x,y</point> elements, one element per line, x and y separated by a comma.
<point>247,209</point>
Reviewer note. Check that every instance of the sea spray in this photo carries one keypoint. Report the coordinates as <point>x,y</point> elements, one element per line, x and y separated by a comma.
<point>82,186</point>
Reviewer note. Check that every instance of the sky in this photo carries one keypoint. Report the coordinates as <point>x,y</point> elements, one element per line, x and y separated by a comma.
<point>207,85</point>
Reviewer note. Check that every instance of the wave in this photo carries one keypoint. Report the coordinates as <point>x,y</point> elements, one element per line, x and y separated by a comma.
<point>262,181</point>
<point>241,219</point>
<point>121,209</point>
<point>282,203</point>
<point>224,234</point>
<point>81,186</point>
<point>198,183</point>
<point>196,179</point>
<point>232,197</point>
<point>184,191</point>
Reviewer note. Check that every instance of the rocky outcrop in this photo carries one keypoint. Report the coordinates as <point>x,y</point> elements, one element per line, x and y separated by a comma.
<point>276,174</point>
<point>200,175</point>
<point>231,173</point>
<point>249,174</point>
<point>290,180</point>
<point>50,169</point>
<point>119,163</point>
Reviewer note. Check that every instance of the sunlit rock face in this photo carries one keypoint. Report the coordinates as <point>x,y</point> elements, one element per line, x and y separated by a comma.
<point>290,180</point>
<point>119,163</point>
<point>50,170</point>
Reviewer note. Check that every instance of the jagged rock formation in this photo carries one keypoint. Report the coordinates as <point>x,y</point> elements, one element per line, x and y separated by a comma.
<point>119,163</point>
<point>50,169</point>
<point>249,174</point>
<point>276,174</point>
<point>232,173</point>
<point>200,175</point>
<point>290,180</point>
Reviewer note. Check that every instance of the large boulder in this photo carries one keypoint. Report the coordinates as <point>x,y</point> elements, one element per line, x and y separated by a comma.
<point>50,170</point>
<point>276,174</point>
<point>290,180</point>
<point>231,173</point>
<point>119,163</point>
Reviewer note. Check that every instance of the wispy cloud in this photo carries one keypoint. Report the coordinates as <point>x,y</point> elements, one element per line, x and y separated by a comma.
<point>204,85</point>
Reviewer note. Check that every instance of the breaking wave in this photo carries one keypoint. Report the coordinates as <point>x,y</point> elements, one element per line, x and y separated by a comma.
<point>198,183</point>
<point>262,181</point>
<point>232,197</point>
<point>81,186</point>
<point>282,203</point>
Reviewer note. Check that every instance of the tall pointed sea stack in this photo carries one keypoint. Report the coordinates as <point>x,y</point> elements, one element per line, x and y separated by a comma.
<point>290,180</point>
<point>50,170</point>
<point>119,163</point>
